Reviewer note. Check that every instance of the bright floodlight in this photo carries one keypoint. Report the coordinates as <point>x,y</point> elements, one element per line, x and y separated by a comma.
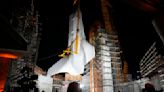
<point>81,85</point>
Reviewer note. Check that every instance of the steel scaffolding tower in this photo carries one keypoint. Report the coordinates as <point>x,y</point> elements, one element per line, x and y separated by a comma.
<point>25,22</point>
<point>151,65</point>
<point>110,51</point>
<point>106,68</point>
<point>104,72</point>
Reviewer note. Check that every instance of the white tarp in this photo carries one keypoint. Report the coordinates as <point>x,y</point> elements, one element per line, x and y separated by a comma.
<point>45,83</point>
<point>74,63</point>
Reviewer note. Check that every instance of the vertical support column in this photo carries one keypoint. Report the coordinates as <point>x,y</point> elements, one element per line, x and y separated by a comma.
<point>161,75</point>
<point>91,77</point>
<point>106,16</point>
<point>95,71</point>
<point>158,25</point>
<point>103,56</point>
<point>114,50</point>
<point>125,71</point>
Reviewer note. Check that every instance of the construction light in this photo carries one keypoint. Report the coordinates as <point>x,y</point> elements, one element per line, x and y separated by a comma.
<point>7,55</point>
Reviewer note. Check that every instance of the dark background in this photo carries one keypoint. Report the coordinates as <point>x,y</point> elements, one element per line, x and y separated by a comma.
<point>132,19</point>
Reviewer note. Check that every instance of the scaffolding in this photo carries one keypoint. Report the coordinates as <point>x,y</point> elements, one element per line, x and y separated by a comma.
<point>111,40</point>
<point>25,22</point>
<point>103,73</point>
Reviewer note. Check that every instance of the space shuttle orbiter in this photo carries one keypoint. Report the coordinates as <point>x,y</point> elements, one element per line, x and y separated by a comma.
<point>81,51</point>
